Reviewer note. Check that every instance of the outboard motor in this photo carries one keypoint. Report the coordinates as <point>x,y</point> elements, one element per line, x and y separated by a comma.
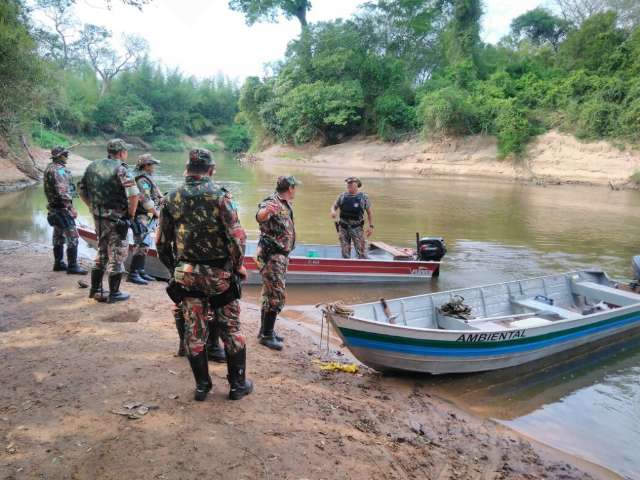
<point>635,264</point>
<point>430,249</point>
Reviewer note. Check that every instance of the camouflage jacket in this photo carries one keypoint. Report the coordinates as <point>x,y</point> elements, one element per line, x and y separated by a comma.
<point>150,196</point>
<point>107,184</point>
<point>58,186</point>
<point>278,232</point>
<point>199,223</point>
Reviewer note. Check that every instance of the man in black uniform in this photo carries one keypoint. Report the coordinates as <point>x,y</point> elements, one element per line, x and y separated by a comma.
<point>351,206</point>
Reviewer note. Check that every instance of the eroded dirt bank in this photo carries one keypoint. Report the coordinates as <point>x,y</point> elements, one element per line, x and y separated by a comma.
<point>553,158</point>
<point>68,363</point>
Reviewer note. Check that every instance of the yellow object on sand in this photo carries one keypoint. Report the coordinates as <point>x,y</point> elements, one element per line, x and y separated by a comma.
<point>338,367</point>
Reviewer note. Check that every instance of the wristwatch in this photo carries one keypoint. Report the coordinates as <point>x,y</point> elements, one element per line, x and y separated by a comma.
<point>371,226</point>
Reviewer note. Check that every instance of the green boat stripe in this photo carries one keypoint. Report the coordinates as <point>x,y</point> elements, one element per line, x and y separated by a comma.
<point>476,344</point>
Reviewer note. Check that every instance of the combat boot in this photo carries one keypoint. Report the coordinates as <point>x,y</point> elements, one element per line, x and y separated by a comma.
<point>134,271</point>
<point>268,338</point>
<point>58,262</point>
<point>275,334</point>
<point>72,258</point>
<point>179,318</point>
<point>239,386</point>
<point>96,284</point>
<point>115,295</point>
<point>214,351</point>
<point>141,272</point>
<point>200,369</point>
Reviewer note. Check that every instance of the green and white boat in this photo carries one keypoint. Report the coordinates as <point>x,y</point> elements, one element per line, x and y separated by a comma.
<point>500,326</point>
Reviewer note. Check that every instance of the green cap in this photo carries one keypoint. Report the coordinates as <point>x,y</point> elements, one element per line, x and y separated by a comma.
<point>284,182</point>
<point>146,159</point>
<point>200,157</point>
<point>116,145</point>
<point>353,180</point>
<point>59,151</point>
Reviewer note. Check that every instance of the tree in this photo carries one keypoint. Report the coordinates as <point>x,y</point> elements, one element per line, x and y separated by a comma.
<point>107,63</point>
<point>577,11</point>
<point>540,26</point>
<point>463,32</point>
<point>57,46</point>
<point>269,10</point>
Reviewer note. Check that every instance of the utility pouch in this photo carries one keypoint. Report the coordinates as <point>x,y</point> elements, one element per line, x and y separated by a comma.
<point>122,227</point>
<point>138,228</point>
<point>53,219</point>
<point>234,292</point>
<point>177,292</point>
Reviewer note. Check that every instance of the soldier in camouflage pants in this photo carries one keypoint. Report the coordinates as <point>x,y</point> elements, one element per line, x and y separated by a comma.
<point>277,240</point>
<point>60,191</point>
<point>352,206</point>
<point>112,195</point>
<point>201,240</point>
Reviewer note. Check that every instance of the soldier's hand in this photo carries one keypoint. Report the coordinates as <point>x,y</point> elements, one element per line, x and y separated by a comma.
<point>242,272</point>
<point>369,231</point>
<point>74,212</point>
<point>334,214</point>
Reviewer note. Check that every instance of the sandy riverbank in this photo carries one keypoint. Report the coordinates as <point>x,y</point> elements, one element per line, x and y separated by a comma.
<point>550,158</point>
<point>69,362</point>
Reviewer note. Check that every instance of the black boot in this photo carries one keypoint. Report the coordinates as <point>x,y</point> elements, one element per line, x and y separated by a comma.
<point>268,338</point>
<point>58,262</point>
<point>275,334</point>
<point>115,295</point>
<point>214,351</point>
<point>96,284</point>
<point>141,272</point>
<point>200,368</point>
<point>134,271</point>
<point>72,259</point>
<point>179,318</point>
<point>239,386</point>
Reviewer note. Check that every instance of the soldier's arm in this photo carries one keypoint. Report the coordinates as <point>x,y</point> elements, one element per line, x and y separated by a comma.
<point>82,191</point>
<point>62,187</point>
<point>367,207</point>
<point>266,210</point>
<point>145,197</point>
<point>237,235</point>
<point>335,207</point>
<point>130,189</point>
<point>165,239</point>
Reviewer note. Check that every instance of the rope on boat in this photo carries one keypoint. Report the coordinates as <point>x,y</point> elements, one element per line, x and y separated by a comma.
<point>456,307</point>
<point>337,308</point>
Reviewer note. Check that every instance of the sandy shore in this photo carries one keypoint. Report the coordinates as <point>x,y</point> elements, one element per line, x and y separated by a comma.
<point>69,363</point>
<point>550,158</point>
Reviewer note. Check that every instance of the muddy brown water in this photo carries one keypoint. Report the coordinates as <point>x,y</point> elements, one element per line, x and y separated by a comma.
<point>495,232</point>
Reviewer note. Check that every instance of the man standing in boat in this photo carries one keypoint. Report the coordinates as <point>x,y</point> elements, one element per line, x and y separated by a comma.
<point>110,191</point>
<point>351,206</point>
<point>277,240</point>
<point>201,241</point>
<point>147,212</point>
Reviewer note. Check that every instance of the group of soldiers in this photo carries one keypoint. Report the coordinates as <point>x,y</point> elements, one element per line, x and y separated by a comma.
<point>198,238</point>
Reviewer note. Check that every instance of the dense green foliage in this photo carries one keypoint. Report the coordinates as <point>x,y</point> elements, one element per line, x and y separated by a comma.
<point>382,72</point>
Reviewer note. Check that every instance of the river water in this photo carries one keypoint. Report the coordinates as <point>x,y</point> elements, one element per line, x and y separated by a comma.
<point>495,232</point>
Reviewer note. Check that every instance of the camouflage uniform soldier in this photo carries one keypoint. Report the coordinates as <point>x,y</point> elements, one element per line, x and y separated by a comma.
<point>60,190</point>
<point>277,239</point>
<point>201,240</point>
<point>352,204</point>
<point>112,195</point>
<point>148,204</point>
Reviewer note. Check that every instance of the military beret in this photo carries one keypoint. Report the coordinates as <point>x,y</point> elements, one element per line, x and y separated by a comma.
<point>200,157</point>
<point>284,182</point>
<point>146,159</point>
<point>59,151</point>
<point>353,180</point>
<point>116,145</point>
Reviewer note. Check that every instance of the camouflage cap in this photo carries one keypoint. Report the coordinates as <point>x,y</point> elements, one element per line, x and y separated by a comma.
<point>146,159</point>
<point>284,182</point>
<point>59,151</point>
<point>200,157</point>
<point>116,145</point>
<point>353,180</point>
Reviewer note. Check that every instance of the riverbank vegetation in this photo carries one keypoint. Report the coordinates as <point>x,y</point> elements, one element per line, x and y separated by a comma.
<point>61,79</point>
<point>399,67</point>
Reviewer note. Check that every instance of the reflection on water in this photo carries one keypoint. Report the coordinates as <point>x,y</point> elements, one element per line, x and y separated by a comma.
<point>495,232</point>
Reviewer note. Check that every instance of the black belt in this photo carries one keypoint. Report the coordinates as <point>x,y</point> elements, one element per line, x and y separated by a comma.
<point>344,224</point>
<point>218,262</point>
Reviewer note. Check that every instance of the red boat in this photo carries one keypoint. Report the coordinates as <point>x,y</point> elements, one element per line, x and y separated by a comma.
<point>320,264</point>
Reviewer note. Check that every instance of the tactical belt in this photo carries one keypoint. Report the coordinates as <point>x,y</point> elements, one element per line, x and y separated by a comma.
<point>269,248</point>
<point>348,226</point>
<point>217,262</point>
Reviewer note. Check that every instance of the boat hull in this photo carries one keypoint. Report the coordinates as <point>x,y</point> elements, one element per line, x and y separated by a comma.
<point>438,352</point>
<point>313,270</point>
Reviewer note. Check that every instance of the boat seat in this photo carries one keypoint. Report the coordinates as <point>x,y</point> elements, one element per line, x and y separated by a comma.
<point>606,294</point>
<point>542,308</point>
